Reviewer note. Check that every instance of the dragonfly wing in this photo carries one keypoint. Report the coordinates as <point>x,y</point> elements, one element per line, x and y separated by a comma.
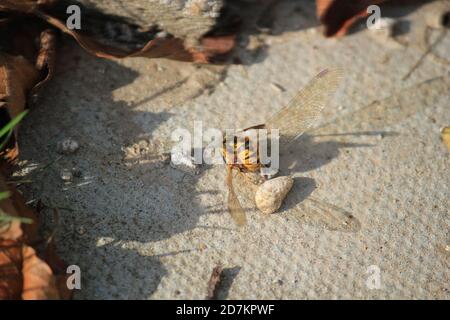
<point>303,110</point>
<point>234,206</point>
<point>331,216</point>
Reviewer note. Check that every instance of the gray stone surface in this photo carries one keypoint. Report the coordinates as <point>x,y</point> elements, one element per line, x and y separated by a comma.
<point>371,181</point>
<point>187,19</point>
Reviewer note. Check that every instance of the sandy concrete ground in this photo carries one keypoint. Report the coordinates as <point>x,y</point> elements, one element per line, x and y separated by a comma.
<point>141,229</point>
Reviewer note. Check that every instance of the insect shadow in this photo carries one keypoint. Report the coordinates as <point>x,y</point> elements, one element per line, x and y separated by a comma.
<point>226,281</point>
<point>306,154</point>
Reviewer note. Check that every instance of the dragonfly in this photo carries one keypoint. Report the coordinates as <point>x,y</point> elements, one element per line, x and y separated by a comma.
<point>291,121</point>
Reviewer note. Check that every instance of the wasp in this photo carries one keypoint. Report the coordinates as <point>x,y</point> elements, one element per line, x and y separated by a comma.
<point>291,121</point>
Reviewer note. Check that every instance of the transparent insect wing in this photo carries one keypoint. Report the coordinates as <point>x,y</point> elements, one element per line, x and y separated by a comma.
<point>303,110</point>
<point>234,206</point>
<point>331,216</point>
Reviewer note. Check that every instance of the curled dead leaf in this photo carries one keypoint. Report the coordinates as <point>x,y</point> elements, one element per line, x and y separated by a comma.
<point>17,77</point>
<point>15,5</point>
<point>45,61</point>
<point>164,47</point>
<point>38,280</point>
<point>23,275</point>
<point>217,46</point>
<point>11,281</point>
<point>214,282</point>
<point>170,48</point>
<point>24,5</point>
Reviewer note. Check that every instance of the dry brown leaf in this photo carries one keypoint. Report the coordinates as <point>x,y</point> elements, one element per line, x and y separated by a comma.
<point>45,61</point>
<point>17,77</point>
<point>170,48</point>
<point>23,275</point>
<point>215,46</point>
<point>338,16</point>
<point>38,280</point>
<point>11,281</point>
<point>18,5</point>
<point>24,5</point>
<point>214,282</point>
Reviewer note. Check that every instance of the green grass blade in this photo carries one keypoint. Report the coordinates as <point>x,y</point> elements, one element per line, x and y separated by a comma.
<point>6,218</point>
<point>12,123</point>
<point>4,195</point>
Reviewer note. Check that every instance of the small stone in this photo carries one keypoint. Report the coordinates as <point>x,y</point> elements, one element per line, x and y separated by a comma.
<point>312,31</point>
<point>66,175</point>
<point>270,194</point>
<point>67,146</point>
<point>81,230</point>
<point>102,241</point>
<point>278,87</point>
<point>162,34</point>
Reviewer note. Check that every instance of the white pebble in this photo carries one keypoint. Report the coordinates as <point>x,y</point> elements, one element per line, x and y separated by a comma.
<point>270,194</point>
<point>80,230</point>
<point>278,87</point>
<point>67,146</point>
<point>66,175</point>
